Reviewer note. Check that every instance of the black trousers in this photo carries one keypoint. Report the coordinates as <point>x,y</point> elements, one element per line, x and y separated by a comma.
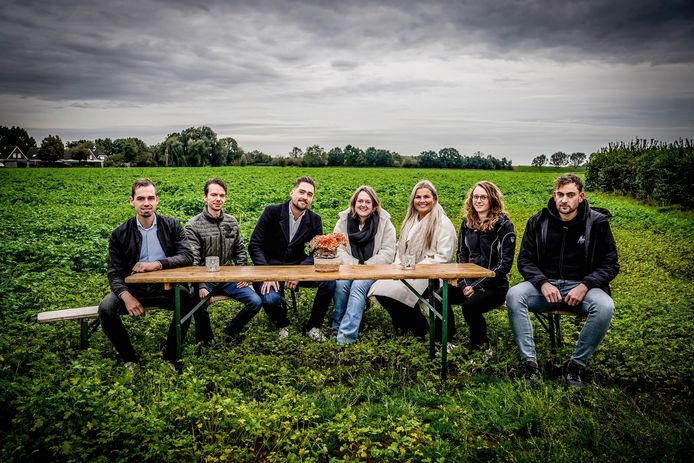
<point>406,319</point>
<point>277,313</point>
<point>112,307</point>
<point>474,308</point>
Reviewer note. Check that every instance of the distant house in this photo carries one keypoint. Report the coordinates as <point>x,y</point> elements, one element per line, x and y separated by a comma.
<point>12,156</point>
<point>95,156</point>
<point>33,156</point>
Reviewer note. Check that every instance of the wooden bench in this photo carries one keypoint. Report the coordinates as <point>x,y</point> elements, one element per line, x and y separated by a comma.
<point>83,315</point>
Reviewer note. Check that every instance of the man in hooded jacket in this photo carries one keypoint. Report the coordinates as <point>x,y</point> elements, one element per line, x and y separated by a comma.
<point>568,257</point>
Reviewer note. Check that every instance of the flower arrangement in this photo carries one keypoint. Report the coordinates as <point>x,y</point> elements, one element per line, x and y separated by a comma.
<point>325,246</point>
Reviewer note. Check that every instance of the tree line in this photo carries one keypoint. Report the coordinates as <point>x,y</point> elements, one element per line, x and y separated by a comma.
<point>560,159</point>
<point>645,169</point>
<point>199,146</point>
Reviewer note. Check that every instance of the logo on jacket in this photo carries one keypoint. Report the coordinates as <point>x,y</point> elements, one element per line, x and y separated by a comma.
<point>582,239</point>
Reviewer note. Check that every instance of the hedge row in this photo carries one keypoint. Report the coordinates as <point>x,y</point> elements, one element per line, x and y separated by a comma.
<point>645,169</point>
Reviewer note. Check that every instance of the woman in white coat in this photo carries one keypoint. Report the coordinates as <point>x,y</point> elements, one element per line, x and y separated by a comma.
<point>428,235</point>
<point>371,237</point>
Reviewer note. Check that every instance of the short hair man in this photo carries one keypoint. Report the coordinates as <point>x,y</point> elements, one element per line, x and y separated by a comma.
<point>568,257</point>
<point>280,238</point>
<point>144,243</point>
<point>215,233</point>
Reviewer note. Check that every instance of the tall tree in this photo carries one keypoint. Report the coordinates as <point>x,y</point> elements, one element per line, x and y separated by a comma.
<point>336,157</point>
<point>577,159</point>
<point>296,153</point>
<point>315,157</point>
<point>428,159</point>
<point>559,159</point>
<point>52,149</point>
<point>231,149</point>
<point>539,161</point>
<point>449,158</point>
<point>16,136</point>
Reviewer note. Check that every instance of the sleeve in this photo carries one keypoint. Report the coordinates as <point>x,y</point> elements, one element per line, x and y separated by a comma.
<point>255,247</point>
<point>239,253</point>
<point>116,266</point>
<point>607,267</point>
<point>386,254</point>
<point>182,254</point>
<point>317,230</point>
<point>463,254</point>
<point>342,252</point>
<point>445,245</point>
<point>196,243</point>
<point>527,265</point>
<point>507,250</point>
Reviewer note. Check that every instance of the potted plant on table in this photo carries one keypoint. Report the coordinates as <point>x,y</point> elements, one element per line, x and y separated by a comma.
<point>324,248</point>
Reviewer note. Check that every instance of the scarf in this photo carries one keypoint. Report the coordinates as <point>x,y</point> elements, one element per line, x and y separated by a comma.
<point>361,242</point>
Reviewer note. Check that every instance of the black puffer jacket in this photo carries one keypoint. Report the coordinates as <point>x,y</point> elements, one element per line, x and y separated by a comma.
<point>493,250</point>
<point>216,236</point>
<point>599,247</point>
<point>126,242</point>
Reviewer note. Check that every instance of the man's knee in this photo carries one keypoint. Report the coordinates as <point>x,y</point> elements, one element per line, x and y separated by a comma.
<point>271,299</point>
<point>254,302</point>
<point>110,306</point>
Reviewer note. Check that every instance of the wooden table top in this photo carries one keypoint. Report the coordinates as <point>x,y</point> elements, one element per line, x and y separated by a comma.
<point>307,273</point>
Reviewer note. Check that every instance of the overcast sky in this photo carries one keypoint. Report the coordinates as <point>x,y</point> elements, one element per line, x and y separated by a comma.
<point>508,78</point>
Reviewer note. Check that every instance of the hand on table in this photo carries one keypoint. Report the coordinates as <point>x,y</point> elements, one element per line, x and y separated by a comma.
<point>142,267</point>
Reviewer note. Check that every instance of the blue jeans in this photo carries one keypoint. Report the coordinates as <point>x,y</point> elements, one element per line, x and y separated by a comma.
<point>350,299</point>
<point>277,313</point>
<point>597,306</point>
<point>246,296</point>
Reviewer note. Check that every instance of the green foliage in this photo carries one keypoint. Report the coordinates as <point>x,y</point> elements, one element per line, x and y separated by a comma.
<point>295,400</point>
<point>51,149</point>
<point>645,169</point>
<point>16,136</point>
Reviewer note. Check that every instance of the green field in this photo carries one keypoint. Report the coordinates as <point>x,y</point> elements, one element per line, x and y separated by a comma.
<point>296,400</point>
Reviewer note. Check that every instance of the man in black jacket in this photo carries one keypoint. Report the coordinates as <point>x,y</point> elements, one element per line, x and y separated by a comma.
<point>144,243</point>
<point>568,257</point>
<point>281,237</point>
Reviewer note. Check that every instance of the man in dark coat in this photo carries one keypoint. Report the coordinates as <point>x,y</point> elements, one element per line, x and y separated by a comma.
<point>281,237</point>
<point>568,257</point>
<point>144,243</point>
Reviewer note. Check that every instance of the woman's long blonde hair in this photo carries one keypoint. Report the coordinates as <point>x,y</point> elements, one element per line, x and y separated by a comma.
<point>496,207</point>
<point>428,228</point>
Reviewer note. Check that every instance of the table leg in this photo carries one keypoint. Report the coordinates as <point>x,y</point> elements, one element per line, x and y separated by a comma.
<point>177,317</point>
<point>444,331</point>
<point>432,323</point>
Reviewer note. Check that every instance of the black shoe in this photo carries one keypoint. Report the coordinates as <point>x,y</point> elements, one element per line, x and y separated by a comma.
<point>232,338</point>
<point>532,372</point>
<point>573,374</point>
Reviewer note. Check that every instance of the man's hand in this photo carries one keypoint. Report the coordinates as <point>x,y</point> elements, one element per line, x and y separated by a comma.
<point>576,295</point>
<point>468,291</point>
<point>291,284</point>
<point>132,305</point>
<point>241,284</point>
<point>142,267</point>
<point>550,292</point>
<point>269,285</point>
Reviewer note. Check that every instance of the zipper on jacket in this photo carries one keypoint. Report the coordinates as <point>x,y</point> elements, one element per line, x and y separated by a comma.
<point>222,256</point>
<point>564,230</point>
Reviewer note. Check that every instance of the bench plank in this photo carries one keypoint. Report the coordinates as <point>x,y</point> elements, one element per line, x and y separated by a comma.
<point>68,314</point>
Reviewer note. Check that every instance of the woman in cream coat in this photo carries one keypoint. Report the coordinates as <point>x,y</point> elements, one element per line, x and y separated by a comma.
<point>429,235</point>
<point>371,237</point>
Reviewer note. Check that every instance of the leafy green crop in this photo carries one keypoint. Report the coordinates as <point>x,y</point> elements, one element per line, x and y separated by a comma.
<point>381,400</point>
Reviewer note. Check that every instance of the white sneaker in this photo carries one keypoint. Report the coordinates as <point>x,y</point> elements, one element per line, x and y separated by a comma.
<point>130,366</point>
<point>450,347</point>
<point>316,335</point>
<point>283,332</point>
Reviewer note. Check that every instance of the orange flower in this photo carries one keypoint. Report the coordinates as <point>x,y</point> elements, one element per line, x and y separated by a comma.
<point>327,245</point>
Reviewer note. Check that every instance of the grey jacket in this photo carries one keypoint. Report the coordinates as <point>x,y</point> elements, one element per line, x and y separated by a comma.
<point>216,236</point>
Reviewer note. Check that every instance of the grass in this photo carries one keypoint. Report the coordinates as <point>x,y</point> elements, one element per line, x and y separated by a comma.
<point>381,400</point>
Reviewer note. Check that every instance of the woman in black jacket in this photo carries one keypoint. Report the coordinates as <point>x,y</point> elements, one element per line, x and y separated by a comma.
<point>487,238</point>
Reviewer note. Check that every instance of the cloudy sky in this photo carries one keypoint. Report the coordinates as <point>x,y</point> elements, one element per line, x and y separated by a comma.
<point>509,78</point>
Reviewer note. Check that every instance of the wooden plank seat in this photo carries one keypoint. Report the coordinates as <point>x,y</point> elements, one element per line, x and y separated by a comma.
<point>83,315</point>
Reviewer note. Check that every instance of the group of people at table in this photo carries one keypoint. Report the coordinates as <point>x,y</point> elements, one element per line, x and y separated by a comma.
<point>567,257</point>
